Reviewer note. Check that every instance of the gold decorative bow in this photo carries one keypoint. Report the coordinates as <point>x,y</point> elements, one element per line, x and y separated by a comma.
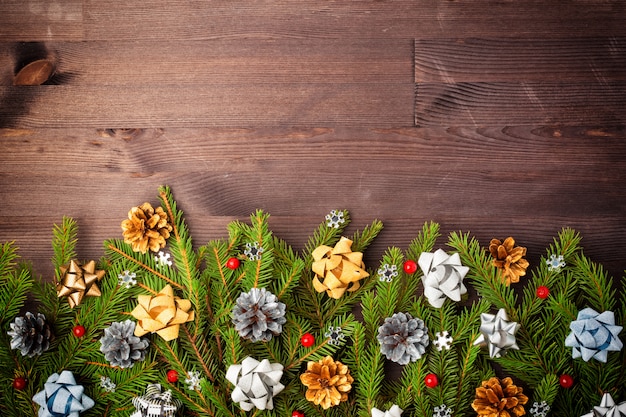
<point>78,281</point>
<point>338,267</point>
<point>162,313</point>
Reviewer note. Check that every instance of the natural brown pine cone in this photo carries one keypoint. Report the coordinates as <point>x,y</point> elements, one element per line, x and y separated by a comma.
<point>499,398</point>
<point>146,228</point>
<point>509,259</point>
<point>328,382</point>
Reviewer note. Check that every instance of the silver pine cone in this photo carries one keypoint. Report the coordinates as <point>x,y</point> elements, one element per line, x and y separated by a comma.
<point>258,315</point>
<point>30,334</point>
<point>402,338</point>
<point>120,345</point>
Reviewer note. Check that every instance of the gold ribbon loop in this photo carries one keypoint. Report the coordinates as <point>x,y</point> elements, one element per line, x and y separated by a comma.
<point>338,267</point>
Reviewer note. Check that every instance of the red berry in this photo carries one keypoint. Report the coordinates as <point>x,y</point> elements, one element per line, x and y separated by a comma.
<point>79,331</point>
<point>543,292</point>
<point>232,263</point>
<point>410,266</point>
<point>431,380</point>
<point>172,376</point>
<point>307,340</point>
<point>297,413</point>
<point>566,381</point>
<point>19,383</point>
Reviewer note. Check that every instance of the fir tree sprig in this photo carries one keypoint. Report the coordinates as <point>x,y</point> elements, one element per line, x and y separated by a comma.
<point>65,237</point>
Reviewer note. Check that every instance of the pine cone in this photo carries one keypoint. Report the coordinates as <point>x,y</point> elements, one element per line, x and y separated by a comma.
<point>146,228</point>
<point>258,315</point>
<point>497,398</point>
<point>402,338</point>
<point>328,382</point>
<point>509,259</point>
<point>30,334</point>
<point>120,346</point>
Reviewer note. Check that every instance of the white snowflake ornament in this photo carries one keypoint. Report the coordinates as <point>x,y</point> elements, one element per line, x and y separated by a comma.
<point>127,279</point>
<point>394,411</point>
<point>253,251</point>
<point>442,411</point>
<point>386,273</point>
<point>162,259</point>
<point>106,384</point>
<point>443,341</point>
<point>193,380</point>
<point>539,409</point>
<point>443,276</point>
<point>555,263</point>
<point>256,383</point>
<point>335,335</point>
<point>335,219</point>
<point>608,408</point>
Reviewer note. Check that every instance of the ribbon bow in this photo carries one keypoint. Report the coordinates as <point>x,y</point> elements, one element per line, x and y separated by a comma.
<point>608,408</point>
<point>394,411</point>
<point>443,276</point>
<point>78,281</point>
<point>594,335</point>
<point>497,333</point>
<point>163,314</point>
<point>338,267</point>
<point>155,403</point>
<point>256,383</point>
<point>61,397</point>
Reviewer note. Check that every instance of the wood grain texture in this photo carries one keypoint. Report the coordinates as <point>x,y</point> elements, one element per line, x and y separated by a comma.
<point>515,103</point>
<point>313,104</point>
<point>198,19</point>
<point>224,61</point>
<point>38,20</point>
<point>302,107</point>
<point>573,60</point>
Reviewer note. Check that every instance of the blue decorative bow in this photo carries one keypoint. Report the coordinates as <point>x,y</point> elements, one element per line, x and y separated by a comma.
<point>62,397</point>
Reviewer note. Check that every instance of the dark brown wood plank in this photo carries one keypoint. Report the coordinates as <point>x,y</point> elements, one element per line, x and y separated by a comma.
<point>312,104</point>
<point>223,61</point>
<point>527,182</point>
<point>246,150</point>
<point>39,20</point>
<point>178,19</point>
<point>493,103</point>
<point>572,60</point>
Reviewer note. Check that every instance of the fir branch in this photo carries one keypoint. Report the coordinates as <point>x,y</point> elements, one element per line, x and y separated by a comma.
<point>325,235</point>
<point>182,246</point>
<point>598,286</point>
<point>362,239</point>
<point>15,283</point>
<point>111,246</point>
<point>483,275</point>
<point>65,237</point>
<point>193,343</point>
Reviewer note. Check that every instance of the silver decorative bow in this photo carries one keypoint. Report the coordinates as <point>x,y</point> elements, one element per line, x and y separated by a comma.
<point>497,333</point>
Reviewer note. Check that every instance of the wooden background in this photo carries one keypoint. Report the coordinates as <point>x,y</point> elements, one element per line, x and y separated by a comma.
<point>496,117</point>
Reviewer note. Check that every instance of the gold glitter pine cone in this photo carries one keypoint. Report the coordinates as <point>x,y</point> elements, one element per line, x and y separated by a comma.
<point>499,398</point>
<point>328,382</point>
<point>146,228</point>
<point>509,259</point>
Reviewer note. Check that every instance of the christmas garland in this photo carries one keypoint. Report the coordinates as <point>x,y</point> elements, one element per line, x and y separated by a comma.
<point>246,325</point>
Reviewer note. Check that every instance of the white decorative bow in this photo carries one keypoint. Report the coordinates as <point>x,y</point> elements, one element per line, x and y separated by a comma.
<point>394,411</point>
<point>256,383</point>
<point>443,276</point>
